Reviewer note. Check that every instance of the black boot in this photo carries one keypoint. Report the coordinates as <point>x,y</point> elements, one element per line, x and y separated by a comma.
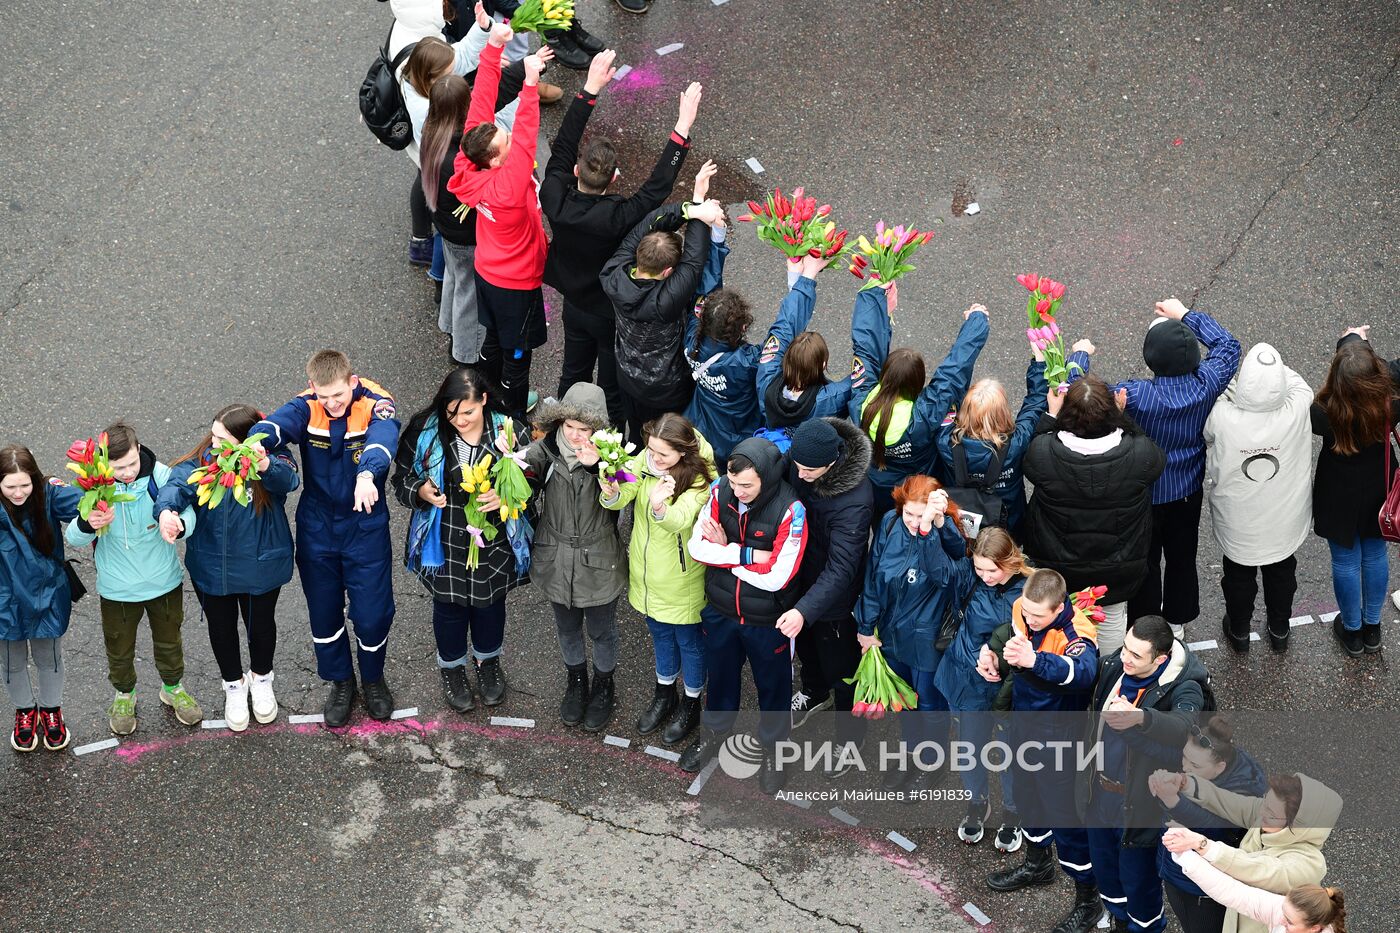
<point>601,702</point>
<point>705,747</point>
<point>575,695</point>
<point>338,703</point>
<point>1117,925</point>
<point>1084,916</point>
<point>1278,634</point>
<point>1236,633</point>
<point>566,50</point>
<point>456,688</point>
<point>1371,638</point>
<point>492,681</point>
<point>683,723</point>
<point>1038,868</point>
<point>585,39</point>
<point>1348,639</point>
<point>771,778</point>
<point>379,701</point>
<point>663,701</point>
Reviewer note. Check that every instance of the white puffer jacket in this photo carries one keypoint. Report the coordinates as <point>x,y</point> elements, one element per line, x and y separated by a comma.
<point>1259,461</point>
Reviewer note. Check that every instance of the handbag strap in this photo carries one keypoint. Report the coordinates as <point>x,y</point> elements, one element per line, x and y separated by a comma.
<point>960,473</point>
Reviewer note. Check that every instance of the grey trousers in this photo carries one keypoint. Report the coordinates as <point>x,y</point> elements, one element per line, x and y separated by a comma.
<point>457,315</point>
<point>48,661</point>
<point>602,631</point>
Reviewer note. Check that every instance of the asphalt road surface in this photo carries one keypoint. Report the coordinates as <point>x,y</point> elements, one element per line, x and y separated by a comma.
<point>190,208</point>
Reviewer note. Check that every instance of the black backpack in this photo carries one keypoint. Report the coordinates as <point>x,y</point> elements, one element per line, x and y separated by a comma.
<point>980,505</point>
<point>381,100</point>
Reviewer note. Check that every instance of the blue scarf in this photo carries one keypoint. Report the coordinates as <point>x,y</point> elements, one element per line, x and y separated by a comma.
<point>424,553</point>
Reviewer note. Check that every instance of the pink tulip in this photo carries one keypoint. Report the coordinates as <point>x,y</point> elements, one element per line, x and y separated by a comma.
<point>1028,281</point>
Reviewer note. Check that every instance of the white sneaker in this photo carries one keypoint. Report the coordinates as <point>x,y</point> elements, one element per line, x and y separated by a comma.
<point>1395,598</point>
<point>803,707</point>
<point>264,700</point>
<point>236,703</point>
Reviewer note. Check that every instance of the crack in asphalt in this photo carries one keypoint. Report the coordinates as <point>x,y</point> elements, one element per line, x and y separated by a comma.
<point>440,758</point>
<point>1341,127</point>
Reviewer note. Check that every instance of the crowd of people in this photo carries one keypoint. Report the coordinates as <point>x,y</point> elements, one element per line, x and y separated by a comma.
<point>773,510</point>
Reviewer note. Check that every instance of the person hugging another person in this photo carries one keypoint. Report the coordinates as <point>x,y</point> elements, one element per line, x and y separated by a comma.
<point>902,414</point>
<point>578,557</point>
<point>36,598</point>
<point>669,486</point>
<point>462,426</point>
<point>239,558</point>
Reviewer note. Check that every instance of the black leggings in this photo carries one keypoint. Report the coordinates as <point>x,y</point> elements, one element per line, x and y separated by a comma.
<point>422,218</point>
<point>259,615</point>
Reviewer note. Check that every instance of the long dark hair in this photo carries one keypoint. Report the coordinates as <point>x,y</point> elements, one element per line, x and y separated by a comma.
<point>447,110</point>
<point>804,363</point>
<point>238,420</point>
<point>726,316</point>
<point>1357,396</point>
<point>676,431</point>
<point>16,459</point>
<point>1090,410</point>
<point>901,380</point>
<point>461,384</point>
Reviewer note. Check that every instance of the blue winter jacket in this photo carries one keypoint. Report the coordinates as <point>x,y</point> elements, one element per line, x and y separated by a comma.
<point>910,580</point>
<point>1011,486</point>
<point>913,450</point>
<point>234,549</point>
<point>1066,665</point>
<point>1246,776</point>
<point>870,344</point>
<point>988,607</point>
<point>725,405</point>
<point>34,598</point>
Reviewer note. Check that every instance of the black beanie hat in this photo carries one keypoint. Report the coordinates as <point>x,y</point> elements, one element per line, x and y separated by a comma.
<point>1170,348</point>
<point>815,444</point>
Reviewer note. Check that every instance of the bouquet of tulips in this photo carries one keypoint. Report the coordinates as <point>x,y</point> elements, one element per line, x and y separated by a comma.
<point>89,460</point>
<point>878,688</point>
<point>227,470</point>
<point>798,226</point>
<point>1087,601</point>
<point>885,260</point>
<point>542,16</point>
<point>509,473</point>
<point>613,456</point>
<point>476,481</point>
<point>1044,332</point>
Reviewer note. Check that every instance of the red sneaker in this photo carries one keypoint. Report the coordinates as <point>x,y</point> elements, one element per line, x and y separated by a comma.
<point>55,731</point>
<point>25,738</point>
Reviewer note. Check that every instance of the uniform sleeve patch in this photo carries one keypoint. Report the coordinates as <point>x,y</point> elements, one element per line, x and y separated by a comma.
<point>384,409</point>
<point>770,349</point>
<point>950,418</point>
<point>857,370</point>
<point>1075,648</point>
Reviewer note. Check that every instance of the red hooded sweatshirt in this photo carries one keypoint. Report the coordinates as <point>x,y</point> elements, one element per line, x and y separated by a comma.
<point>510,241</point>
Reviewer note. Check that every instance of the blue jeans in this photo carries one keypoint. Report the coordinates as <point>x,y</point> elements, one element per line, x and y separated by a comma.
<point>977,727</point>
<point>679,648</point>
<point>929,721</point>
<point>454,626</point>
<point>439,266</point>
<point>1361,580</point>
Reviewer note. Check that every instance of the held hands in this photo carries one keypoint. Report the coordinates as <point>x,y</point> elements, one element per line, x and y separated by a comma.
<point>430,494</point>
<point>713,532</point>
<point>662,492</point>
<point>690,106</point>
<point>600,72</point>
<point>1166,786</point>
<point>702,183</point>
<point>790,623</point>
<point>366,493</point>
<point>1180,839</point>
<point>976,309</point>
<point>1018,651</point>
<point>501,33</point>
<point>483,19</point>
<point>1119,714</point>
<point>710,212</point>
<point>987,665</point>
<point>1171,308</point>
<point>170,526</point>
<point>934,510</point>
<point>534,64</point>
<point>867,642</point>
<point>1364,331</point>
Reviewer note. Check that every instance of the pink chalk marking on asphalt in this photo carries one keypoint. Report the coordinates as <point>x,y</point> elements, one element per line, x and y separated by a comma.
<point>922,877</point>
<point>133,751</point>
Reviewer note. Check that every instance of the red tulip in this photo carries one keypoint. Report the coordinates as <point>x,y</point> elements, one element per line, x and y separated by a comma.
<point>745,218</point>
<point>824,210</point>
<point>102,439</point>
<point>1042,306</point>
<point>756,207</point>
<point>928,236</point>
<point>227,480</point>
<point>101,505</point>
<point>208,478</point>
<point>860,260</point>
<point>1100,592</point>
<point>1029,281</point>
<point>815,252</point>
<point>86,482</point>
<point>856,272</point>
<point>90,451</point>
<point>1059,291</point>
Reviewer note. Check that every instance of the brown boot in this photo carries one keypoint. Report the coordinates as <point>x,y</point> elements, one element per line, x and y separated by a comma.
<point>550,93</point>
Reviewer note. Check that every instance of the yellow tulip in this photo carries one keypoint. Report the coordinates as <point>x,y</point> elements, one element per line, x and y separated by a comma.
<point>75,467</point>
<point>505,512</point>
<point>864,244</point>
<point>468,486</point>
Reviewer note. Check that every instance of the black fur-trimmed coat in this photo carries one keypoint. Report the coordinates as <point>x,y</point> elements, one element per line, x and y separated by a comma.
<point>839,505</point>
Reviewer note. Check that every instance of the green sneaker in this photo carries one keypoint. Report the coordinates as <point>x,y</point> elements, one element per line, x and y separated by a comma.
<point>187,710</point>
<point>121,715</point>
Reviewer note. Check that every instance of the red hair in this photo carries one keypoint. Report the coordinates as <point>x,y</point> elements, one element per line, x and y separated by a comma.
<point>918,488</point>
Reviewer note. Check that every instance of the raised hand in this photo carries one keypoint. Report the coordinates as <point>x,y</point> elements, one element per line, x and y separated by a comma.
<point>483,19</point>
<point>702,182</point>
<point>600,71</point>
<point>690,106</point>
<point>501,33</point>
<point>1171,308</point>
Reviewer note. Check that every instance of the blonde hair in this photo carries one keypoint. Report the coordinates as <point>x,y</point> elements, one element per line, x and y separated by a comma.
<point>985,414</point>
<point>996,545</point>
<point>327,367</point>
